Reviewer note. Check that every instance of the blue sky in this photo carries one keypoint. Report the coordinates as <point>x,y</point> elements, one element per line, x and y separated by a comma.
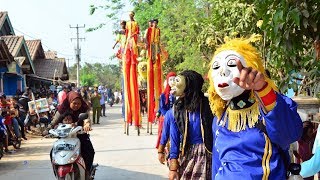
<point>49,21</point>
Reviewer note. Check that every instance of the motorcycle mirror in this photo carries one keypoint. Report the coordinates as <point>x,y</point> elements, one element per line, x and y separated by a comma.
<point>83,116</point>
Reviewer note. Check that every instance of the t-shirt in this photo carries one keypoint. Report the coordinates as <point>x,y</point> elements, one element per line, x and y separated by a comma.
<point>62,95</point>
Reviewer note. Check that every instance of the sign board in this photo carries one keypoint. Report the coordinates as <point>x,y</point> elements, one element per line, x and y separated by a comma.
<point>38,106</point>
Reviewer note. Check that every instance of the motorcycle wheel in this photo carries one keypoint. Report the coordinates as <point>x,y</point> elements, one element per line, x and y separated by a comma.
<point>69,176</point>
<point>16,144</point>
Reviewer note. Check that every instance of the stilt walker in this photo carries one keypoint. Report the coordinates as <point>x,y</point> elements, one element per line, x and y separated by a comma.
<point>154,70</point>
<point>131,80</point>
<point>121,38</point>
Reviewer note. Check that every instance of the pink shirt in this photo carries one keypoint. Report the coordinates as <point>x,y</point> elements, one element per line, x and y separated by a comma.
<point>62,95</point>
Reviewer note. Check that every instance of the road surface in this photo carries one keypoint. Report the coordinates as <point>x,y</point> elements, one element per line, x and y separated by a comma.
<point>119,156</point>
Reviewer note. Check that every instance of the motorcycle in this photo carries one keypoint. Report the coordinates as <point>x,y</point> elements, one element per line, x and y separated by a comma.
<point>67,161</point>
<point>110,101</point>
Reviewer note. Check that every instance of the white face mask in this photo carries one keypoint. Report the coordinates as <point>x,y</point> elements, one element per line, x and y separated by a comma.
<point>171,81</point>
<point>224,70</point>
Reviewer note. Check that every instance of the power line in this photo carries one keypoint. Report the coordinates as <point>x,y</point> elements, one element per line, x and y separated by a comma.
<point>58,52</point>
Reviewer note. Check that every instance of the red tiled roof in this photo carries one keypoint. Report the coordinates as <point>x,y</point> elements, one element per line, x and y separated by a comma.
<point>35,48</point>
<point>13,43</point>
<point>50,54</point>
<point>51,68</point>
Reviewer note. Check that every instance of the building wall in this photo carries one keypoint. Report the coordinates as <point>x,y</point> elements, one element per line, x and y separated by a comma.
<point>10,84</point>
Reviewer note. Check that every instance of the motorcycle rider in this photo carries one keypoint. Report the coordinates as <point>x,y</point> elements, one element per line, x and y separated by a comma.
<point>74,105</point>
<point>24,110</point>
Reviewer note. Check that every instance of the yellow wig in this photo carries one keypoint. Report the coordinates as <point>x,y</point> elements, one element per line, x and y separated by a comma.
<point>238,119</point>
<point>142,70</point>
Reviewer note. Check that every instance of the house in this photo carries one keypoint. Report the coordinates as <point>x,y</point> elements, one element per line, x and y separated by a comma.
<point>14,77</point>
<point>49,68</point>
<point>15,58</point>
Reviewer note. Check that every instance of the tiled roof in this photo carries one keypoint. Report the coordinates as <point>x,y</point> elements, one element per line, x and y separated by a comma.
<point>50,54</point>
<point>3,15</point>
<point>4,51</point>
<point>13,43</point>
<point>51,68</point>
<point>35,48</point>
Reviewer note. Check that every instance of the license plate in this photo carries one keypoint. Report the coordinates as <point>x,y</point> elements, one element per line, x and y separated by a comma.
<point>65,147</point>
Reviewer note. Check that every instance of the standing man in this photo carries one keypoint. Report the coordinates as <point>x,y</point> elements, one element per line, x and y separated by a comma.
<point>96,107</point>
<point>102,101</point>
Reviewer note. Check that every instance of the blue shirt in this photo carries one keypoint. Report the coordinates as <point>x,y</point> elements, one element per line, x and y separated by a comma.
<point>312,166</point>
<point>250,154</point>
<point>194,132</point>
<point>163,108</point>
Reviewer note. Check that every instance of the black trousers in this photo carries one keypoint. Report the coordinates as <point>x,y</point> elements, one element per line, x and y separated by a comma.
<point>87,150</point>
<point>103,109</point>
<point>21,124</point>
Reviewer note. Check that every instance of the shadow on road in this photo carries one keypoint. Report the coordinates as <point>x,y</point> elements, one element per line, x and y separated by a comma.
<point>109,172</point>
<point>39,170</point>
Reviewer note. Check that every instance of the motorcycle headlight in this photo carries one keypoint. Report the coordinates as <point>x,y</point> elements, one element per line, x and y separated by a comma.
<point>74,156</point>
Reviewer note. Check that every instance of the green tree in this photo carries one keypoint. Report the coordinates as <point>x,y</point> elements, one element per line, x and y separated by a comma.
<point>291,30</point>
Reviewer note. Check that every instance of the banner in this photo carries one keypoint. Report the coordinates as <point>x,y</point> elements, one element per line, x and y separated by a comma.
<point>38,106</point>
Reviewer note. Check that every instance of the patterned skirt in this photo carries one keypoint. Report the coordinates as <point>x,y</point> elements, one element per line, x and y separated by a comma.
<point>196,163</point>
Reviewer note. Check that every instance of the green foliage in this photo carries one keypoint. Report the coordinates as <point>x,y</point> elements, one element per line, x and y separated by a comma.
<point>290,28</point>
<point>97,74</point>
<point>191,30</point>
<point>87,80</point>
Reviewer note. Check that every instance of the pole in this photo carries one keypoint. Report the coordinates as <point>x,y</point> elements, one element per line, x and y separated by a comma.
<point>78,51</point>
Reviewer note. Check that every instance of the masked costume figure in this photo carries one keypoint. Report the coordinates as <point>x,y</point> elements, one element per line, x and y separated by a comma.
<point>166,103</point>
<point>132,106</point>
<point>142,79</point>
<point>254,123</point>
<point>190,129</point>
<point>154,69</point>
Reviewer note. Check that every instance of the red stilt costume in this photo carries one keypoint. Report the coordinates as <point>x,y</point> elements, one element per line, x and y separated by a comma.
<point>132,107</point>
<point>154,70</point>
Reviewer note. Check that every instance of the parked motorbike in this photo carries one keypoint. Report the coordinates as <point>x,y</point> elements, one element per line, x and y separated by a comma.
<point>110,101</point>
<point>67,161</point>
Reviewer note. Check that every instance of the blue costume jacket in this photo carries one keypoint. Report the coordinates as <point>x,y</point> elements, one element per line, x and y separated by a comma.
<point>194,132</point>
<point>166,124</point>
<point>250,154</point>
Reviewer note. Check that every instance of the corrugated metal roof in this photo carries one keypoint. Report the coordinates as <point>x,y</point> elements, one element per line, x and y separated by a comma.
<point>51,68</point>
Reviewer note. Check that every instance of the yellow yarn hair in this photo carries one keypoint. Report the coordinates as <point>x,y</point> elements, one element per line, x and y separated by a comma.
<point>252,59</point>
<point>142,71</point>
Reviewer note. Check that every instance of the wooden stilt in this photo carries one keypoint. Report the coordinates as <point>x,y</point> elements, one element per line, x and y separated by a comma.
<point>127,129</point>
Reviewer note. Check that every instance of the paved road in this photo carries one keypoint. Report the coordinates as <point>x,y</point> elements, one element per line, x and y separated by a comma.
<point>119,156</point>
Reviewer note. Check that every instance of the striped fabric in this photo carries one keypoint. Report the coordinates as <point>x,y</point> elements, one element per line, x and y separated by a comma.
<point>196,164</point>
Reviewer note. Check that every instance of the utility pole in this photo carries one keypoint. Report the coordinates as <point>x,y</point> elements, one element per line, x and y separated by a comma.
<point>68,59</point>
<point>78,51</point>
